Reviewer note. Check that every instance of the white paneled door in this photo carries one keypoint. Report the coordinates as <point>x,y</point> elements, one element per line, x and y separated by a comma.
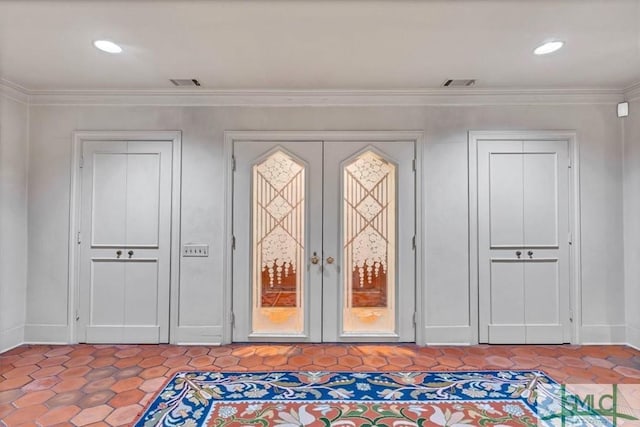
<point>523,241</point>
<point>125,242</point>
<point>324,237</point>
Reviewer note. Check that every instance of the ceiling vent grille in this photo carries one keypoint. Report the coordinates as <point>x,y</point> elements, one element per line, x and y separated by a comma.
<point>459,83</point>
<point>185,82</point>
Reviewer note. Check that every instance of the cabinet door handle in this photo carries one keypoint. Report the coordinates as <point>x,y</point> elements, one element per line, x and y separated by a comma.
<point>315,259</point>
<point>130,254</point>
<point>118,253</point>
<point>518,253</point>
<point>330,260</point>
<point>530,253</point>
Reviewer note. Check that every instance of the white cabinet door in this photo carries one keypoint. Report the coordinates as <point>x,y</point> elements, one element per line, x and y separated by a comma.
<point>523,248</point>
<point>125,242</point>
<point>323,241</point>
<point>546,241</point>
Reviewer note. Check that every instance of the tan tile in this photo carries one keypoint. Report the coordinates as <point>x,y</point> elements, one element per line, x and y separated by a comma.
<point>123,416</point>
<point>34,398</point>
<point>23,415</point>
<point>152,385</point>
<point>91,415</point>
<point>59,415</point>
<point>126,384</point>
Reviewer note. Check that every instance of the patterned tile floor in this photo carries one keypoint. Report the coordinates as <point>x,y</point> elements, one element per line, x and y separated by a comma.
<point>109,385</point>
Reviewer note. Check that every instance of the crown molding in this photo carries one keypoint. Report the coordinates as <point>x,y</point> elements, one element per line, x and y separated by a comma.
<point>632,93</point>
<point>13,91</point>
<point>315,98</point>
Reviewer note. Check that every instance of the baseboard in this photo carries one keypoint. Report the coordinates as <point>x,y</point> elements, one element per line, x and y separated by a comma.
<point>448,335</point>
<point>197,335</point>
<point>11,338</point>
<point>633,337</point>
<point>603,334</point>
<point>46,334</point>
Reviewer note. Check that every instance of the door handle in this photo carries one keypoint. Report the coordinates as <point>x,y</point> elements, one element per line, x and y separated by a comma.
<point>130,254</point>
<point>530,253</point>
<point>118,253</point>
<point>330,260</point>
<point>518,253</point>
<point>315,259</point>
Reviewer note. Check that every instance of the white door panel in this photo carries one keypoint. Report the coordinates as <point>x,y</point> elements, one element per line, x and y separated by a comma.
<point>507,292</point>
<point>505,207</point>
<point>125,265</point>
<point>543,186</point>
<point>143,199</point>
<point>523,246</point>
<point>106,292</point>
<point>542,298</point>
<point>507,334</point>
<point>499,233</point>
<point>141,288</point>
<point>108,210</point>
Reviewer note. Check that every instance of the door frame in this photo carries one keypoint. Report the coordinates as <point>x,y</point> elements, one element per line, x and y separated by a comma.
<point>231,137</point>
<point>575,271</point>
<point>75,205</point>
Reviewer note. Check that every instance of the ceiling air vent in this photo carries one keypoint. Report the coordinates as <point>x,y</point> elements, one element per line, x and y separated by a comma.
<point>185,82</point>
<point>459,83</point>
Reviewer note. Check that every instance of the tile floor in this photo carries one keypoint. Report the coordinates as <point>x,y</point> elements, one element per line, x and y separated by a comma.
<point>109,385</point>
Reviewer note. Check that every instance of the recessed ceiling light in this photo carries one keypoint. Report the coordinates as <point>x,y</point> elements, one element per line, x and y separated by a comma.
<point>107,46</point>
<point>548,47</point>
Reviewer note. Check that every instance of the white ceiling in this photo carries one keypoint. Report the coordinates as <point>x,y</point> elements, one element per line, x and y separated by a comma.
<point>361,44</point>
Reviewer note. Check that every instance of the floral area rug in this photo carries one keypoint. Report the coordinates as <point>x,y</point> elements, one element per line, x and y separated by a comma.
<point>344,399</point>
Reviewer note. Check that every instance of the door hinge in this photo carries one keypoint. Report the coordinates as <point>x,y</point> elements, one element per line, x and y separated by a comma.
<point>232,319</point>
<point>81,162</point>
<point>414,165</point>
<point>77,316</point>
<point>233,163</point>
<point>571,316</point>
<point>233,243</point>
<point>415,317</point>
<point>413,243</point>
<point>79,237</point>
<point>569,163</point>
<point>570,238</point>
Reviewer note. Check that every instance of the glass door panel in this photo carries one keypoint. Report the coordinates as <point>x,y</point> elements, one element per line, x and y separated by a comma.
<point>369,263</point>
<point>369,244</point>
<point>278,244</point>
<point>277,225</point>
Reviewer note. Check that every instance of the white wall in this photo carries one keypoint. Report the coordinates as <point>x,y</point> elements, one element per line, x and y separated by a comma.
<point>445,218</point>
<point>632,222</point>
<point>13,220</point>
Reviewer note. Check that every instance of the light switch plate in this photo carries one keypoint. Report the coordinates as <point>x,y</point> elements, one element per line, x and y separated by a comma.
<point>195,250</point>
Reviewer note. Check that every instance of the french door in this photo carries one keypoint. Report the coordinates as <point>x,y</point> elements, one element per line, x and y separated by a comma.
<point>523,241</point>
<point>324,235</point>
<point>124,273</point>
